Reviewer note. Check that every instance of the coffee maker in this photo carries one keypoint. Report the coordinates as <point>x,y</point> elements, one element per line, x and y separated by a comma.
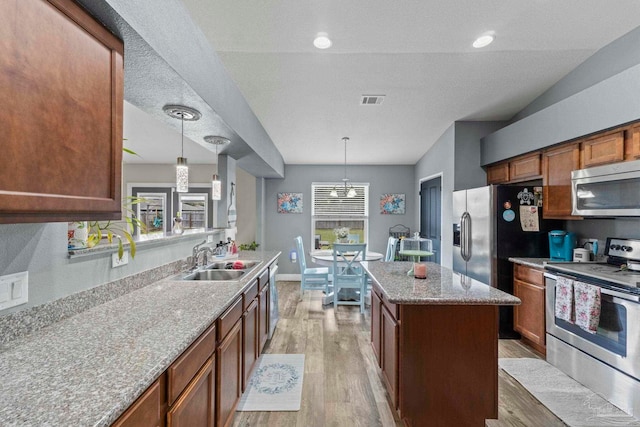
<point>561,244</point>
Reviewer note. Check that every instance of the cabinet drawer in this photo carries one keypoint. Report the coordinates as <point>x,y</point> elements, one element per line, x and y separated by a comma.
<point>263,280</point>
<point>528,274</point>
<point>249,295</point>
<point>229,319</point>
<point>189,363</point>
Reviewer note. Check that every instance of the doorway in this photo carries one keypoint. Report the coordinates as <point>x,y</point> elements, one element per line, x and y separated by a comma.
<point>430,214</point>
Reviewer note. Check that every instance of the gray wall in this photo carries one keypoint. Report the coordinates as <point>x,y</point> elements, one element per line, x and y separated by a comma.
<point>455,157</point>
<point>281,229</point>
<point>41,249</point>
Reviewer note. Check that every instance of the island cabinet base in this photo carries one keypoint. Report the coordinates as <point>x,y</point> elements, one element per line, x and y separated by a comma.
<point>448,365</point>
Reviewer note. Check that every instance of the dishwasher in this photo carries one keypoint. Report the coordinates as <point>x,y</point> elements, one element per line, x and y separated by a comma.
<point>273,303</point>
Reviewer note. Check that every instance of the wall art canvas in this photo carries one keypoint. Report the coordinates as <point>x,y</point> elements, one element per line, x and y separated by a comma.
<point>392,204</point>
<point>289,202</point>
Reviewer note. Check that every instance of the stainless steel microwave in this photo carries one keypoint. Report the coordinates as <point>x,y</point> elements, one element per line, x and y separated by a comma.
<point>609,190</point>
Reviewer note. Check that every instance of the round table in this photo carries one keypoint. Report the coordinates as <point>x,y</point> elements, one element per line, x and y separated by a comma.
<point>415,254</point>
<point>325,257</point>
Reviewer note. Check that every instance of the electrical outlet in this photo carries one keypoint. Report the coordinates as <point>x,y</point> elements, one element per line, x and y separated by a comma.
<point>14,289</point>
<point>210,238</point>
<point>119,262</point>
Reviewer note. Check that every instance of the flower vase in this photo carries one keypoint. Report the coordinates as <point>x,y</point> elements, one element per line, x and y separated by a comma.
<point>343,240</point>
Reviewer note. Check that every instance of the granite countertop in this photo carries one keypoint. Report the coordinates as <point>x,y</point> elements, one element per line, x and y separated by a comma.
<point>442,286</point>
<point>87,369</point>
<point>531,262</point>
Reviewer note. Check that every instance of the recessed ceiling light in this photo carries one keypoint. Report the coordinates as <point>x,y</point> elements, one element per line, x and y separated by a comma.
<point>484,40</point>
<point>322,41</point>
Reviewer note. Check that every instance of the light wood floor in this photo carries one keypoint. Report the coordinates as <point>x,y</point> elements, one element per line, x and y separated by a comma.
<point>342,382</point>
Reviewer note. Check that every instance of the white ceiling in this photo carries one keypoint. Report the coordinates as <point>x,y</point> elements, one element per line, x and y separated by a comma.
<point>416,52</point>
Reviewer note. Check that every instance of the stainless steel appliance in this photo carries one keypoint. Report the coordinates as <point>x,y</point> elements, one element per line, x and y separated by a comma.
<point>490,225</point>
<point>609,190</point>
<point>273,301</point>
<point>607,361</point>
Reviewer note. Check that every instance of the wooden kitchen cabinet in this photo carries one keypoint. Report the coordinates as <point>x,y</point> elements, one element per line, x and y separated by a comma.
<point>498,174</point>
<point>384,339</point>
<point>603,149</point>
<point>634,143</point>
<point>529,316</point>
<point>525,168</point>
<point>229,364</point>
<point>414,346</point>
<point>149,409</point>
<point>196,406</point>
<point>376,326</point>
<point>389,366</point>
<point>250,351</point>
<point>62,85</point>
<point>557,164</point>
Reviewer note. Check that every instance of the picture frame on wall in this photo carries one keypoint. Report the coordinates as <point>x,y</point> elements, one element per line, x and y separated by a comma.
<point>392,204</point>
<point>290,203</point>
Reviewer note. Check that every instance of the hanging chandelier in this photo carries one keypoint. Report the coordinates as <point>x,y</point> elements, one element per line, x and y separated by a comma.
<point>182,170</point>
<point>347,190</point>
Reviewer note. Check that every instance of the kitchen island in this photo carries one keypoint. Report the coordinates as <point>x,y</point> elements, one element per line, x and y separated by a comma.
<point>436,341</point>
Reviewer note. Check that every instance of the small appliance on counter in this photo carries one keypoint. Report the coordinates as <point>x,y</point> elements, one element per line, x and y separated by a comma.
<point>581,255</point>
<point>561,245</point>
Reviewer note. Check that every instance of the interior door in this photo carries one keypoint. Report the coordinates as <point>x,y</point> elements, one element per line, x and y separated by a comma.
<point>430,214</point>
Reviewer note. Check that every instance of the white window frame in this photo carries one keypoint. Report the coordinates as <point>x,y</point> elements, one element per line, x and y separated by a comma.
<point>361,214</point>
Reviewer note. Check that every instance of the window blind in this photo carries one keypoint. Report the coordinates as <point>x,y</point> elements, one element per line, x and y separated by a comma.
<point>323,204</point>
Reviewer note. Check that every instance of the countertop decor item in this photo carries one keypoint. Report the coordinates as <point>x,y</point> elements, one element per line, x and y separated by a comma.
<point>177,224</point>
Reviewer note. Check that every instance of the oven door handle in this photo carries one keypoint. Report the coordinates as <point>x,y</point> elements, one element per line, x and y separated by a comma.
<point>621,295</point>
<point>604,291</point>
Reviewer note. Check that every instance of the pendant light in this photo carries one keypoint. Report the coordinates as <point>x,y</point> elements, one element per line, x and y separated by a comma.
<point>182,170</point>
<point>348,190</point>
<point>216,184</point>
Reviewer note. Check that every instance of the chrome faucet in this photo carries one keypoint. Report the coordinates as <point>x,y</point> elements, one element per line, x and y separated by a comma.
<point>194,254</point>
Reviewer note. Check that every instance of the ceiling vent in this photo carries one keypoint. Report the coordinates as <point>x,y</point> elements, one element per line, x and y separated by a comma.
<point>372,99</point>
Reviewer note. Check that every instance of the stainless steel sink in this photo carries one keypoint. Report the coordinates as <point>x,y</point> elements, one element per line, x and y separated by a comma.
<point>215,275</point>
<point>228,265</point>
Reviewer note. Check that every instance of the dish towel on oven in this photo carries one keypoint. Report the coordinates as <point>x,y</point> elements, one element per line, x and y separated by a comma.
<point>564,299</point>
<point>587,303</point>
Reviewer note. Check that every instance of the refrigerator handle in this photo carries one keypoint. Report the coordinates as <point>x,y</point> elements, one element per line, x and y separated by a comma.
<point>465,223</point>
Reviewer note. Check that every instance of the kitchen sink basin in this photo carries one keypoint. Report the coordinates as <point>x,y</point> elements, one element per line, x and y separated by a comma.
<point>218,275</point>
<point>229,265</point>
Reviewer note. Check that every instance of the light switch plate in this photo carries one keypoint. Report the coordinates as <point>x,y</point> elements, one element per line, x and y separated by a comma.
<point>14,289</point>
<point>119,262</point>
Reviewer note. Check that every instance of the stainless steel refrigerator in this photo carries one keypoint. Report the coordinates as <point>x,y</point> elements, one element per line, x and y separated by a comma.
<point>493,223</point>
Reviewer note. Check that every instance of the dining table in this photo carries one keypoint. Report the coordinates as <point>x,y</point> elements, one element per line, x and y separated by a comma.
<point>324,257</point>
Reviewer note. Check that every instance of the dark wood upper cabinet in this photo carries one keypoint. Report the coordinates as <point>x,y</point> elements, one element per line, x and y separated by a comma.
<point>62,85</point>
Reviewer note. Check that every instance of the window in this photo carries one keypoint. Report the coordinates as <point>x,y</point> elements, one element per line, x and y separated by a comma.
<point>331,213</point>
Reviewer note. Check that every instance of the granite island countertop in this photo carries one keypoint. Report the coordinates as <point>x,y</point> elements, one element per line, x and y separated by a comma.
<point>442,286</point>
<point>88,369</point>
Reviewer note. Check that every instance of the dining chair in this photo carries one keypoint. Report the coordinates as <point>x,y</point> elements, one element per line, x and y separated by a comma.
<point>353,238</point>
<point>347,272</point>
<point>312,278</point>
<point>392,244</point>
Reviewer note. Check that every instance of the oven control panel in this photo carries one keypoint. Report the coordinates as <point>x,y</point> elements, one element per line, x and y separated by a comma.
<point>623,248</point>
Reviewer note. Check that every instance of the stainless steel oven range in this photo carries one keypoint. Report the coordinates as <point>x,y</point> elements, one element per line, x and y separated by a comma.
<point>606,360</point>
